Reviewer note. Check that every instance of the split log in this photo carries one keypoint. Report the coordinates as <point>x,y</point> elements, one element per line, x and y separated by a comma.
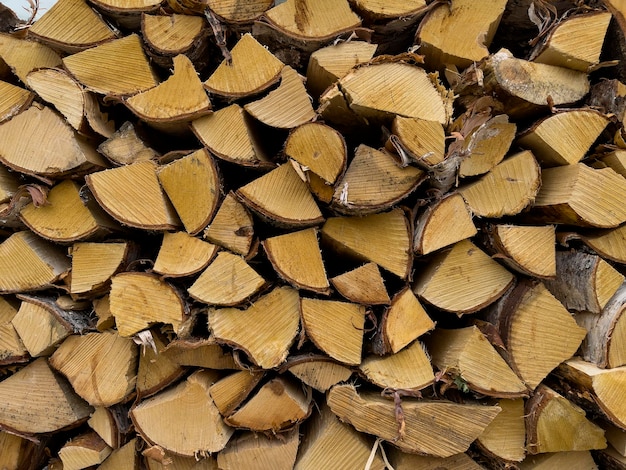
<point>93,265</point>
<point>575,460</point>
<point>125,146</point>
<point>404,461</point>
<point>12,349</point>
<point>230,392</point>
<point>504,438</point>
<point>362,285</point>
<point>84,451</point>
<point>181,255</point>
<point>124,458</point>
<point>232,227</point>
<point>156,368</point>
<point>607,243</point>
<point>250,451</point>
<point>105,422</point>
<point>22,56</point>
<point>317,371</point>
<point>14,100</point>
<point>127,13</point>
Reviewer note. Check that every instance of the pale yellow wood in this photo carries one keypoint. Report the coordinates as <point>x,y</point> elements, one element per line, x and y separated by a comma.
<point>462,279</point>
<point>335,327</point>
<point>11,347</point>
<point>124,458</point>
<point>408,369</point>
<point>404,461</point>
<point>564,138</point>
<point>320,373</point>
<point>102,309</point>
<point>39,328</point>
<point>128,8</point>
<point>201,353</point>
<point>572,460</point>
<point>232,227</point>
<point>528,249</point>
<point>387,8</point>
<point>118,67</point>
<point>425,140</point>
<point>287,106</point>
<point>93,264</point>
<point>156,369</point>
<point>228,393</point>
<point>124,146</point>
<point>183,419</point>
<point>16,451</point>
<point>228,134</point>
<point>296,257</point>
<point>610,244</point>
<point>380,238</point>
<point>283,197</point>
<point>84,451</point>
<point>183,255</point>
<point>183,463</point>
<point>505,437</point>
<point>23,56</point>
<point>363,285</point>
<point>276,318</point>
<point>253,451</point>
<point>616,160</point>
<point>239,11</point>
<point>251,70</point>
<point>132,195</point>
<point>102,421</point>
<point>171,34</point>
<point>9,184</point>
<point>616,437</point>
<point>13,100</point>
<point>443,223</point>
<point>141,299</point>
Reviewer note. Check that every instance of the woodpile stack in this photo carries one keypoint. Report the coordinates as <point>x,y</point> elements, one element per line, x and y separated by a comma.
<point>313,234</point>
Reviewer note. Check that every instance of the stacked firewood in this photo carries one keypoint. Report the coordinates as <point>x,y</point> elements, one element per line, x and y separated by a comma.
<point>313,234</point>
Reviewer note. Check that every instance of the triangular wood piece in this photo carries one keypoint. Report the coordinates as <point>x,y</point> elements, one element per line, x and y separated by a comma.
<point>251,70</point>
<point>282,197</point>
<point>173,461</point>
<point>374,182</point>
<point>227,281</point>
<point>404,461</point>
<point>156,369</point>
<point>615,159</point>
<point>12,350</point>
<point>175,101</point>
<point>139,300</point>
<point>505,437</point>
<point>228,133</point>
<point>374,10</point>
<point>381,238</point>
<point>529,250</point>
<point>287,106</point>
<point>232,227</point>
<point>57,27</point>
<point>462,280</point>
<point>24,56</point>
<point>277,318</point>
<point>195,426</point>
<point>610,243</point>
<point>35,400</point>
<point>93,264</point>
<point>278,404</point>
<point>235,11</point>
<point>335,327</point>
<point>84,450</point>
<point>373,414</point>
<point>363,285</point>
<point>253,451</point>
<point>424,140</point>
<point>167,36</point>
<point>123,458</point>
<point>127,14</point>
<point>297,259</point>
<point>403,322</point>
<point>546,141</point>
<point>318,372</point>
<point>507,189</point>
<point>554,424</point>
<point>193,185</point>
<point>29,263</point>
<point>132,195</point>
<point>65,217</point>
<point>13,100</point>
<point>573,459</point>
<point>21,149</point>
<point>228,393</point>
<point>582,196</point>
<point>318,148</point>
<point>408,369</point>
<point>125,147</point>
<point>443,223</point>
<point>118,67</point>
<point>538,332</point>
<point>465,353</point>
<point>183,255</point>
<point>204,353</point>
<point>19,452</point>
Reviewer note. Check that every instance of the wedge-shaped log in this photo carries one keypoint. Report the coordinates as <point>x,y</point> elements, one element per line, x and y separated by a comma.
<point>276,316</point>
<point>580,459</point>
<point>277,405</point>
<point>84,451</point>
<point>194,425</point>
<point>331,443</point>
<point>282,197</point>
<point>118,67</point>
<point>101,367</point>
<point>443,223</point>
<point>554,424</point>
<point>132,195</point>
<point>575,43</point>
<point>529,250</point>
<point>609,243</point>
<point>440,30</point>
<point>35,400</point>
<point>374,182</point>
<point>380,238</point>
<point>579,195</point>
<point>156,369</point>
<point>231,136</point>
<point>184,463</point>
<point>616,160</point>
<point>335,327</point>
<point>21,149</point>
<point>12,349</point>
<point>286,107</point>
<point>600,388</point>
<point>507,189</point>
<point>127,14</point>
<point>19,452</point>
<point>462,279</point>
<point>564,138</point>
<point>505,437</point>
<point>450,430</point>
<point>57,27</point>
<point>93,265</point>
<point>181,254</point>
<point>605,343</point>
<point>227,281</point>
<point>123,458</point>
<point>466,353</point>
<point>139,300</point>
<point>583,282</point>
<point>252,451</point>
<point>403,461</point>
<point>228,393</point>
<point>193,185</point>
<point>408,369</point>
<point>125,146</point>
<point>317,371</point>
<point>200,353</point>
<point>232,227</point>
<point>297,259</point>
<point>13,100</point>
<point>29,263</point>
<point>362,285</point>
<point>23,56</point>
<point>238,12</point>
<point>538,332</point>
<point>251,70</point>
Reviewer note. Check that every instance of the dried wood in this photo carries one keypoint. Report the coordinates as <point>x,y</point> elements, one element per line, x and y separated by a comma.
<point>12,349</point>
<point>156,368</point>
<point>404,461</point>
<point>181,255</point>
<point>239,11</point>
<point>362,285</point>
<point>125,146</point>
<point>319,372</point>
<point>232,227</point>
<point>93,265</point>
<point>505,437</point>
<point>14,100</point>
<point>84,451</point>
<point>23,56</point>
<point>103,422</point>
<point>229,392</point>
<point>251,451</point>
<point>575,460</point>
<point>124,458</point>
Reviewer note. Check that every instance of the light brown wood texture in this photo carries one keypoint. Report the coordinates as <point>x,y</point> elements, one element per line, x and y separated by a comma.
<point>575,460</point>
<point>124,146</point>
<point>201,353</point>
<point>607,243</point>
<point>156,369</point>
<point>22,56</point>
<point>362,285</point>
<point>124,458</point>
<point>181,255</point>
<point>12,349</point>
<point>102,421</point>
<point>505,436</point>
<point>239,11</point>
<point>232,227</point>
<point>318,372</point>
<point>252,451</point>
<point>403,461</point>
<point>228,393</point>
<point>93,264</point>
<point>84,451</point>
<point>127,12</point>
<point>167,36</point>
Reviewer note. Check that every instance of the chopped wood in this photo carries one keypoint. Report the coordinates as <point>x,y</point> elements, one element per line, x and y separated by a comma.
<point>93,265</point>
<point>232,227</point>
<point>608,243</point>
<point>228,393</point>
<point>318,372</point>
<point>12,349</point>
<point>362,285</point>
<point>127,13</point>
<point>84,451</point>
<point>157,369</point>
<point>19,453</point>
<point>252,451</point>
<point>206,354</point>
<point>124,458</point>
<point>181,254</point>
<point>505,437</point>
<point>23,56</point>
<point>172,462</point>
<point>125,146</point>
<point>574,460</point>
<point>423,141</point>
<point>238,11</point>
<point>103,422</point>
<point>403,461</point>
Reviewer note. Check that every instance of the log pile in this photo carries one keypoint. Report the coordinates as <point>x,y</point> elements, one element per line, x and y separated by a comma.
<point>313,234</point>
